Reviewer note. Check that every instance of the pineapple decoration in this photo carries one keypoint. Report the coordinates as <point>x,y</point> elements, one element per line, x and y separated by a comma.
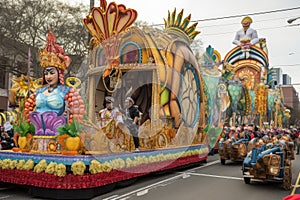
<point>69,138</point>
<point>23,136</point>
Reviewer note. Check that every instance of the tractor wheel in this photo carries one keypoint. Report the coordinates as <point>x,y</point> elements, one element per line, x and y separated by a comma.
<point>287,178</point>
<point>223,161</point>
<point>247,180</point>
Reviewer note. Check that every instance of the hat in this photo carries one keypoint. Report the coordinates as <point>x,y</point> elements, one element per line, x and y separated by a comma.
<point>246,19</point>
<point>129,99</point>
<point>109,99</point>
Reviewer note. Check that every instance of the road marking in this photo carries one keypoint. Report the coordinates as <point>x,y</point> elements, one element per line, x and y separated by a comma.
<point>111,197</point>
<point>203,166</point>
<point>148,187</point>
<point>216,176</point>
<point>160,183</point>
<point>5,197</point>
<point>296,185</point>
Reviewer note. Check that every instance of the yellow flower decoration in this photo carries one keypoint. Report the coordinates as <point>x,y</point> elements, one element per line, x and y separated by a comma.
<point>60,170</point>
<point>40,167</point>
<point>51,168</point>
<point>13,164</point>
<point>20,85</point>
<point>78,168</point>
<point>106,167</point>
<point>6,163</point>
<point>28,165</point>
<point>95,167</point>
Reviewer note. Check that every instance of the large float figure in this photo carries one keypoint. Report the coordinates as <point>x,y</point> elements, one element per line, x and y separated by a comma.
<point>157,69</point>
<point>247,73</point>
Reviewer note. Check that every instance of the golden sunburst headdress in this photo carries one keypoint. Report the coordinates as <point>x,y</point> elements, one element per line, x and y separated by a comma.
<point>176,26</point>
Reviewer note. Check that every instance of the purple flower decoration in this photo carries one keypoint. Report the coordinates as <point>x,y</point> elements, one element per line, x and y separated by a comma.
<point>47,122</point>
<point>36,120</point>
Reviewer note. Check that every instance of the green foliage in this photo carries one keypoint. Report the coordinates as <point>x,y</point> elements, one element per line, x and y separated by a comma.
<point>24,128</point>
<point>72,130</point>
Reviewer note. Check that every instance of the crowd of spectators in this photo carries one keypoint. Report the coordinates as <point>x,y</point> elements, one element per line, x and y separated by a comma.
<point>250,131</point>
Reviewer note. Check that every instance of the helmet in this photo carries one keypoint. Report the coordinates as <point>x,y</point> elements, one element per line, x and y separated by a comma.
<point>128,99</point>
<point>109,99</point>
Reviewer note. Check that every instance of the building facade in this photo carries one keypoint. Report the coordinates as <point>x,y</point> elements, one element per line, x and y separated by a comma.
<point>286,79</point>
<point>277,76</point>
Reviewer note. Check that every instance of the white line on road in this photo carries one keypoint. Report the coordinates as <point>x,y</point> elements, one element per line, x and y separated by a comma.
<point>216,176</point>
<point>160,183</point>
<point>5,197</point>
<point>111,197</point>
<point>206,165</point>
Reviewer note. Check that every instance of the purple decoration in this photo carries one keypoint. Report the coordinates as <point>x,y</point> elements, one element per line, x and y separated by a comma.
<point>52,122</point>
<point>47,122</point>
<point>39,132</point>
<point>36,120</point>
<point>49,132</point>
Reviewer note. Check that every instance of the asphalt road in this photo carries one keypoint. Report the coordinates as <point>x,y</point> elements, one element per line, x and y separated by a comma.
<point>209,181</point>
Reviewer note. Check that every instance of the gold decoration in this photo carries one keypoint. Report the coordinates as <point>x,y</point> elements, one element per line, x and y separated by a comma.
<point>174,25</point>
<point>53,55</point>
<point>73,82</point>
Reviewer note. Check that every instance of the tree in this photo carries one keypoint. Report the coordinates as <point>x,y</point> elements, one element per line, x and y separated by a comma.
<point>24,24</point>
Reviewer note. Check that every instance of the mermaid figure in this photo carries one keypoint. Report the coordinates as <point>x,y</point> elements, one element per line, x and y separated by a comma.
<point>55,103</point>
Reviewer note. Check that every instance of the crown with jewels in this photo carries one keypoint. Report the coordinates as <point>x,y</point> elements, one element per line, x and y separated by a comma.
<point>175,25</point>
<point>53,55</point>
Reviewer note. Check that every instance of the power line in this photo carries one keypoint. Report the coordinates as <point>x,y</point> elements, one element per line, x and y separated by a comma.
<point>259,29</point>
<point>235,23</point>
<point>296,64</point>
<point>240,15</point>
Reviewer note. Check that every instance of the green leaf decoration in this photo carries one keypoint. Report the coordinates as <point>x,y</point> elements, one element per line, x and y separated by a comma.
<point>72,130</point>
<point>23,128</point>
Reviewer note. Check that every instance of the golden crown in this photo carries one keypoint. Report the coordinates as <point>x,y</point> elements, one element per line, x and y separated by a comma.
<point>53,55</point>
<point>175,25</point>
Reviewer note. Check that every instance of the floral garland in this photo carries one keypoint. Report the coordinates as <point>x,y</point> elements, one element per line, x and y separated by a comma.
<point>79,167</point>
<point>87,180</point>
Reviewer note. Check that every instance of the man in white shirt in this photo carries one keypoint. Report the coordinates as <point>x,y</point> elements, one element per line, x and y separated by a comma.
<point>247,36</point>
<point>109,112</point>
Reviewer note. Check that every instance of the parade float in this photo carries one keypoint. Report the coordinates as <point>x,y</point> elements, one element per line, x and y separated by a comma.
<point>64,150</point>
<point>254,97</point>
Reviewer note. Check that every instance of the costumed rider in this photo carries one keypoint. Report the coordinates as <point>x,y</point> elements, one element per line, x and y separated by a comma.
<point>246,36</point>
<point>55,103</point>
<point>109,112</point>
<point>133,114</point>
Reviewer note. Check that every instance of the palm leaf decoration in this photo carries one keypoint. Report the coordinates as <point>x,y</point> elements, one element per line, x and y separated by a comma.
<point>23,128</point>
<point>73,130</point>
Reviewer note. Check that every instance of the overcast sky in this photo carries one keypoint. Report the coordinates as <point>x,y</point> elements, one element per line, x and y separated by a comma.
<point>283,40</point>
